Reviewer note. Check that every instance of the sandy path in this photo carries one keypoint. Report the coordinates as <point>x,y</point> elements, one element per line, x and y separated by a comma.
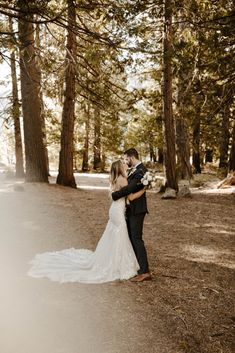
<point>41,316</point>
<point>187,308</point>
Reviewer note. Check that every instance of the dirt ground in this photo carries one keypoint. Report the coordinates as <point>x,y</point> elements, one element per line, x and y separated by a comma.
<point>188,307</point>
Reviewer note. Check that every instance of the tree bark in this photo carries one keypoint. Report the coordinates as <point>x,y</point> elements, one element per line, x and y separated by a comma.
<point>65,176</point>
<point>224,141</point>
<point>36,166</point>
<point>97,140</point>
<point>169,128</point>
<point>196,144</point>
<point>183,150</point>
<point>103,161</point>
<point>184,170</point>
<point>85,159</point>
<point>152,153</point>
<point>160,155</point>
<point>209,155</point>
<point>232,150</point>
<point>38,46</point>
<point>19,167</point>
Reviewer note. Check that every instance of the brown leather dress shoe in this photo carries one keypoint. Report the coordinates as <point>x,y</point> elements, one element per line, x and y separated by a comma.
<point>142,277</point>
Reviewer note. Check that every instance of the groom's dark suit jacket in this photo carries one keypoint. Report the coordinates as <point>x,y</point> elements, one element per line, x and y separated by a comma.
<point>134,184</point>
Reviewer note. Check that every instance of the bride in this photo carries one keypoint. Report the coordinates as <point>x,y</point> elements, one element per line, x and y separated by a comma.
<point>113,258</point>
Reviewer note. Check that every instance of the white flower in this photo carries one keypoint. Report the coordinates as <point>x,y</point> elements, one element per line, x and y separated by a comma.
<point>150,179</point>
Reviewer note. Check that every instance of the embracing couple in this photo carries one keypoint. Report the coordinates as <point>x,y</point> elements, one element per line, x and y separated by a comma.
<point>120,252</point>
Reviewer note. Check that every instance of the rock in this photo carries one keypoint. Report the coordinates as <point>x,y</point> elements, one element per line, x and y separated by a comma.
<point>184,191</point>
<point>169,194</point>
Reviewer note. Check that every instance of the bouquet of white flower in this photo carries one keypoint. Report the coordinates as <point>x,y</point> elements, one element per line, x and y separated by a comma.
<point>149,180</point>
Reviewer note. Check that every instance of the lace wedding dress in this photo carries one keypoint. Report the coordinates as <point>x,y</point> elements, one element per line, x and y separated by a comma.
<point>113,258</point>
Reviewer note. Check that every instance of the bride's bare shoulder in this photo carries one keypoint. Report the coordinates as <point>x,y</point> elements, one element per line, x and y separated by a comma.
<point>122,181</point>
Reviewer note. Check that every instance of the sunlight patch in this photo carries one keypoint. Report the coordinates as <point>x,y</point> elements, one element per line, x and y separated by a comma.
<point>208,255</point>
<point>213,190</point>
<point>6,190</point>
<point>219,228</point>
<point>89,187</point>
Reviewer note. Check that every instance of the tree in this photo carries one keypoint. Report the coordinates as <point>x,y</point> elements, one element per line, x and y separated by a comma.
<point>184,82</point>
<point>224,141</point>
<point>97,139</point>
<point>38,48</point>
<point>19,166</point>
<point>169,128</point>
<point>232,151</point>
<point>118,40</point>
<point>184,167</point>
<point>85,157</point>
<point>36,165</point>
<point>212,28</point>
<point>196,126</point>
<point>65,176</point>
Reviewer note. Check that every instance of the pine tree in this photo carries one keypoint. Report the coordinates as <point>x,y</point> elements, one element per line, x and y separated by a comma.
<point>169,128</point>
<point>65,176</point>
<point>19,166</point>
<point>36,165</point>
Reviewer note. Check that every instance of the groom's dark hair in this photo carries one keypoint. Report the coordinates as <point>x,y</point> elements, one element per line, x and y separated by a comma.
<point>131,152</point>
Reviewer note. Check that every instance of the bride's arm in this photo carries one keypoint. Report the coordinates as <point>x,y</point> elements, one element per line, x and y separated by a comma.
<point>133,186</point>
<point>136,195</point>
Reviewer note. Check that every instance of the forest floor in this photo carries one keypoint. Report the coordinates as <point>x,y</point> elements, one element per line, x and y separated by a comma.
<point>188,307</point>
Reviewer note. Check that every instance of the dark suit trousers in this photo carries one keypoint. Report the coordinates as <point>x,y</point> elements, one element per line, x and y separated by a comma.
<point>135,229</point>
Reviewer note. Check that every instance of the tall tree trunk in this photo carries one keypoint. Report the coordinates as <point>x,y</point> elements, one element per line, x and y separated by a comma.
<point>38,46</point>
<point>36,166</point>
<point>169,129</point>
<point>208,155</point>
<point>19,168</point>
<point>232,150</point>
<point>65,176</point>
<point>160,155</point>
<point>97,140</point>
<point>183,151</point>
<point>85,159</point>
<point>224,141</point>
<point>196,143</point>
<point>103,161</point>
<point>152,153</point>
<point>184,169</point>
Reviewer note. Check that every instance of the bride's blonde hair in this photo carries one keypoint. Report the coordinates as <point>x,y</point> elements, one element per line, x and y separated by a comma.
<point>116,170</point>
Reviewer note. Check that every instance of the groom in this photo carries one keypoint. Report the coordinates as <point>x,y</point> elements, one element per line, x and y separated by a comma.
<point>135,211</point>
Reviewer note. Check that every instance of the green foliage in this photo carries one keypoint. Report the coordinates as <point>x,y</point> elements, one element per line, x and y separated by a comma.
<point>119,68</point>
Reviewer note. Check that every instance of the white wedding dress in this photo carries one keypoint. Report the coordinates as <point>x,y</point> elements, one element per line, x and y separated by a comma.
<point>113,259</point>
